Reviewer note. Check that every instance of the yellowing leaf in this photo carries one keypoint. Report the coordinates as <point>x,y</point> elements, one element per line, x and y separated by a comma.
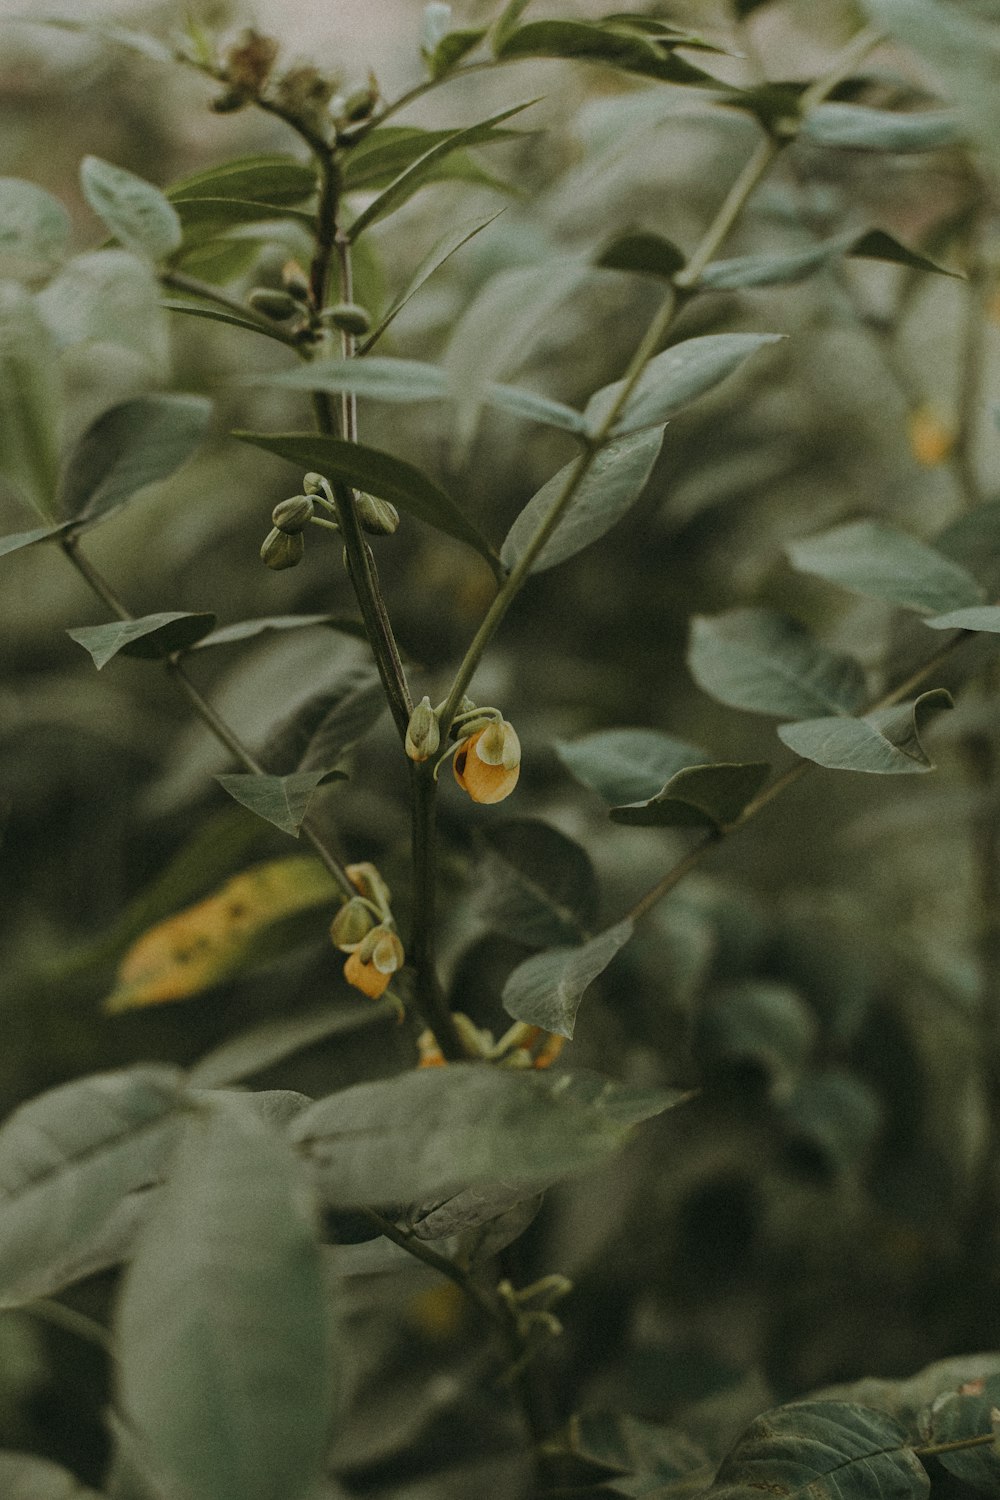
<point>250,918</point>
<point>930,439</point>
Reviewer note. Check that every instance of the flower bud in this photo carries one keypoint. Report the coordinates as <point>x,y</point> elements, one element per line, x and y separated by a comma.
<point>280,550</point>
<point>295,280</point>
<point>387,953</point>
<point>278,306</point>
<point>294,514</point>
<point>373,962</point>
<point>365,977</point>
<point>249,62</point>
<point>351,925</point>
<point>377,517</point>
<point>349,317</point>
<point>423,733</point>
<point>366,879</point>
<point>313,483</point>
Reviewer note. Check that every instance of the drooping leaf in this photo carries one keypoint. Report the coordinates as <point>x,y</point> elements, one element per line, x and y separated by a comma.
<point>378,473</point>
<point>130,446</point>
<point>627,765</point>
<point>277,180</point>
<point>547,988</point>
<point>18,539</point>
<point>674,378</point>
<point>615,47</point>
<point>24,1476</point>
<point>436,257</point>
<point>423,168</point>
<point>768,663</point>
<point>884,743</point>
<point>151,636</point>
<point>710,796</point>
<point>136,212</point>
<point>224,1409</point>
<point>34,231</point>
<point>613,482</point>
<point>281,800</point>
<point>436,1130</point>
<point>649,254</point>
<point>871,558</point>
<point>451,48</point>
<point>856,127</point>
<point>68,1161</point>
<point>534,883</point>
<point>251,1052</point>
<point>30,401</point>
<point>254,916</point>
<point>829,1450</point>
<point>977,617</point>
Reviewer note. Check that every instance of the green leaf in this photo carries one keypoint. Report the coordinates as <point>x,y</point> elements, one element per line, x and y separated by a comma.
<point>547,988</point>
<point>977,617</point>
<point>130,446</point>
<point>962,1415</point>
<point>282,800</point>
<point>351,709</point>
<point>436,1130</point>
<point>224,1369</point>
<point>245,630</point>
<point>768,663</point>
<point>260,1049</point>
<point>878,245</point>
<point>755,1026</point>
<point>883,743</point>
<point>220,261</point>
<point>451,49</point>
<point>380,156</point>
<point>710,796</point>
<point>34,231</point>
<point>614,481</point>
<point>18,539</point>
<point>627,765</point>
<point>534,883</point>
<point>772,270</point>
<point>30,401</point>
<point>68,1161</point>
<point>136,212</point>
<point>220,315</point>
<point>204,219</point>
<point>423,168</point>
<point>108,297</point>
<point>828,1450</point>
<point>506,23</point>
<point>586,41</point>
<point>649,254</point>
<point>378,473</point>
<point>25,1477</point>
<point>442,251</point>
<point>149,637</point>
<point>279,181</point>
<point>123,36</point>
<point>855,127</point>
<point>880,562</point>
<point>833,1120</point>
<point>675,378</point>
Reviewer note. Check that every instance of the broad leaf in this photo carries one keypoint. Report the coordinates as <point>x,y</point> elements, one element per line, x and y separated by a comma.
<point>256,1051</point>
<point>254,916</point>
<point>534,883</point>
<point>281,800</point>
<point>674,378</point>
<point>280,181</point>
<point>108,297</point>
<point>30,401</point>
<point>614,481</point>
<point>442,251</point>
<point>34,231</point>
<point>129,447</point>
<point>884,743</point>
<point>627,765</point>
<point>756,1027</point>
<point>68,1162</point>
<point>768,663</point>
<point>649,254</point>
<point>151,637</point>
<point>222,1407</point>
<point>24,1476</point>
<point>828,1450</point>
<point>968,1413</point>
<point>711,796</point>
<point>136,212</point>
<point>977,617</point>
<point>880,562</point>
<point>423,168</point>
<point>547,988</point>
<point>858,128</point>
<point>18,539</point>
<point>587,41</point>
<point>378,473</point>
<point>436,1130</point>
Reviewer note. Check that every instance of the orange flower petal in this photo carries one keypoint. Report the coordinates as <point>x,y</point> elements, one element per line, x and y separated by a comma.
<point>365,977</point>
<point>484,783</point>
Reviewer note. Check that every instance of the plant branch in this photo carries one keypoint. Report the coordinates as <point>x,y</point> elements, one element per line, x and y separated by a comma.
<point>931,1450</point>
<point>431,1001</point>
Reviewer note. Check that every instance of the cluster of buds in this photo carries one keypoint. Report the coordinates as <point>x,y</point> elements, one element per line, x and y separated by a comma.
<point>364,929</point>
<point>285,543</point>
<point>486,754</point>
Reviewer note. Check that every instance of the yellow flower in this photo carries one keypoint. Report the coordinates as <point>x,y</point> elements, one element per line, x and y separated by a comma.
<point>372,964</point>
<point>488,763</point>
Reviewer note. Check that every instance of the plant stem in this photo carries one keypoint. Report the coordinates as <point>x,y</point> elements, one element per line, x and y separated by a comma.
<point>931,1450</point>
<point>431,1001</point>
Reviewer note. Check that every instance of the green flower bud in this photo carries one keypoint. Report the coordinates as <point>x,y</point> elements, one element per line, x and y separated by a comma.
<point>359,105</point>
<point>377,516</point>
<point>351,925</point>
<point>280,550</point>
<point>313,483</point>
<point>294,514</point>
<point>349,317</point>
<point>295,280</point>
<point>423,733</point>
<point>275,305</point>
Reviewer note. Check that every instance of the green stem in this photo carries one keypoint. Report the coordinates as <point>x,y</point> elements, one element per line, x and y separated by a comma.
<point>431,1001</point>
<point>931,1450</point>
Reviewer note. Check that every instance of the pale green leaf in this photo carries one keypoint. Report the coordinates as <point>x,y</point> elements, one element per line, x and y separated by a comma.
<point>627,765</point>
<point>884,743</point>
<point>768,663</point>
<point>15,540</point>
<point>856,127</point>
<point>245,630</point>
<point>871,558</point>
<point>34,231</point>
<point>150,636</point>
<point>140,42</point>
<point>674,378</point>
<point>136,212</point>
<point>135,444</point>
<point>108,297</point>
<point>279,181</point>
<point>976,617</point>
<point>711,796</point>
<point>30,401</point>
<point>547,988</point>
<point>282,800</point>
<point>587,41</point>
<point>771,270</point>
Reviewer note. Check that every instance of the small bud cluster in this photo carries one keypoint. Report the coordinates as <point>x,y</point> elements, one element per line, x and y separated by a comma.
<point>364,929</point>
<point>285,544</point>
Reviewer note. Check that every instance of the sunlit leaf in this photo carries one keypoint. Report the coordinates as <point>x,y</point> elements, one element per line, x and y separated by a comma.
<point>136,212</point>
<point>711,796</point>
<point>884,743</point>
<point>547,988</point>
<point>880,562</point>
<point>151,636</point>
<point>130,446</point>
<point>627,765</point>
<point>281,800</point>
<point>30,401</point>
<point>674,378</point>
<point>768,663</point>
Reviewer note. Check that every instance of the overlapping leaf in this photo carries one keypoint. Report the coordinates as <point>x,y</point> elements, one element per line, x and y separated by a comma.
<point>281,800</point>
<point>627,765</point>
<point>136,212</point>
<point>887,742</point>
<point>703,796</point>
<point>151,636</point>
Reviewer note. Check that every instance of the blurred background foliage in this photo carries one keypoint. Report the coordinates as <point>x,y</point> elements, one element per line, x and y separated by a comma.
<point>827,1206</point>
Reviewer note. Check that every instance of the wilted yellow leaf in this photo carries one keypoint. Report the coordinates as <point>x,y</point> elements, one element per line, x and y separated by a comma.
<point>249,919</point>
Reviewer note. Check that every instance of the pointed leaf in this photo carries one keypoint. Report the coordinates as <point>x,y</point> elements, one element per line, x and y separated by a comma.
<point>648,254</point>
<point>220,315</point>
<point>450,50</point>
<point>129,447</point>
<point>768,663</point>
<point>698,797</point>
<point>883,743</point>
<point>614,481</point>
<point>282,800</point>
<point>206,219</point>
<point>547,988</point>
<point>855,127</point>
<point>880,562</point>
<point>442,251</point>
<point>23,1476</point>
<point>277,180</point>
<point>30,401</point>
<point>379,473</point>
<point>135,211</point>
<point>18,539</point>
<point>151,636</point>
<point>68,1161</point>
<point>675,378</point>
<point>223,1408</point>
<point>378,159</point>
<point>773,270</point>
<point>534,883</point>
<point>245,630</point>
<point>627,765</point>
<point>961,1415</point>
<point>506,23</point>
<point>588,41</point>
<point>34,231</point>
<point>397,192</point>
<point>978,617</point>
<point>533,407</point>
<point>878,245</point>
